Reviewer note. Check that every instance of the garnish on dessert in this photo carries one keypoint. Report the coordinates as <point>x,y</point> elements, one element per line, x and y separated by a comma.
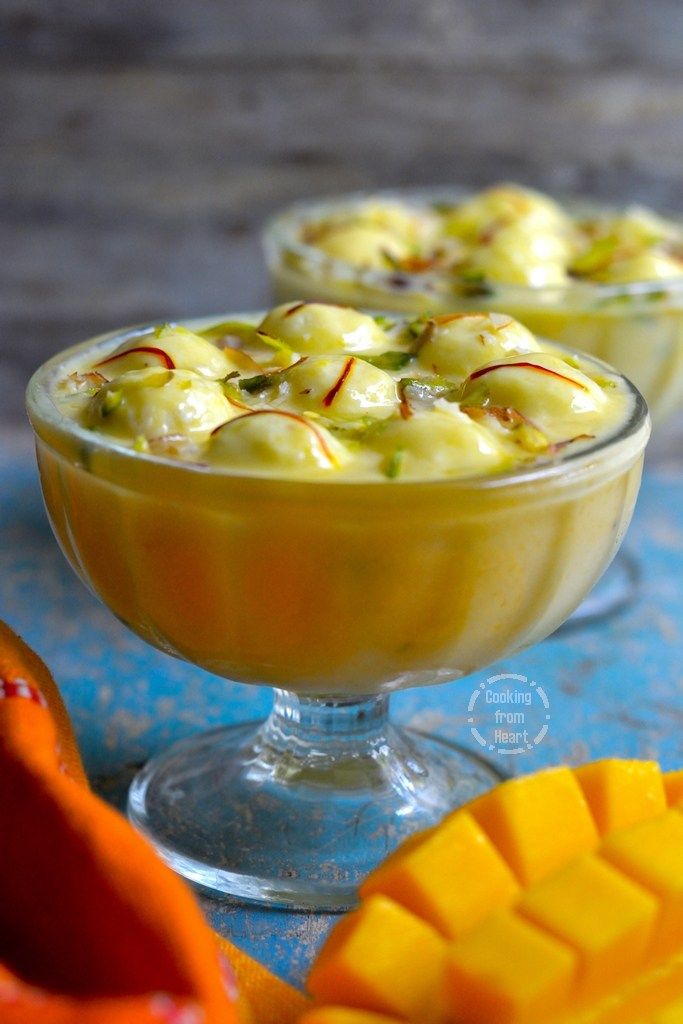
<point>312,389</point>
<point>506,235</point>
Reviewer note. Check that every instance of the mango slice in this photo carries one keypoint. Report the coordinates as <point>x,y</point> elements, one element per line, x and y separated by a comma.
<point>453,879</point>
<point>538,822</point>
<point>507,971</point>
<point>622,793</point>
<point>651,853</point>
<point>381,958</point>
<point>555,899</point>
<point>606,918</point>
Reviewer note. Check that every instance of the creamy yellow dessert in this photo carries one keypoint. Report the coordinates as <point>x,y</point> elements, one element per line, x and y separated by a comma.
<point>609,282</point>
<point>481,482</point>
<point>505,235</point>
<point>315,390</point>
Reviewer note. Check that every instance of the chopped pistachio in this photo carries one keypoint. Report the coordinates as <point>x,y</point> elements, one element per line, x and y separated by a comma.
<point>473,283</point>
<point>390,260</point>
<point>530,438</point>
<point>426,389</point>
<point>258,383</point>
<point>275,343</point>
<point>389,360</point>
<point>230,328</point>
<point>443,208</point>
<point>595,257</point>
<point>393,466</point>
<point>359,430</point>
<point>111,401</point>
<point>416,327</point>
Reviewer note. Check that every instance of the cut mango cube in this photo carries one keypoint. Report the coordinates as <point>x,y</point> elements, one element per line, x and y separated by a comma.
<point>381,958</point>
<point>673,787</point>
<point>652,854</point>
<point>453,878</point>
<point>622,793</point>
<point>507,971</point>
<point>538,822</point>
<point>600,913</point>
<point>554,899</point>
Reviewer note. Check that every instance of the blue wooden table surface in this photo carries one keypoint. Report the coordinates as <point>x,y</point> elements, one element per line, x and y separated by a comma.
<point>614,688</point>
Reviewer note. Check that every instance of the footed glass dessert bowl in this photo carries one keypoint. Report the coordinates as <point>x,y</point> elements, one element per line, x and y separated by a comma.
<point>337,506</point>
<point>605,281</point>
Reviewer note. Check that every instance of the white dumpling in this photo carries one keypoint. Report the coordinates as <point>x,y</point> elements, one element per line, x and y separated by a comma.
<point>154,403</point>
<point>340,387</point>
<point>457,343</point>
<point>321,327</point>
<point>172,347</point>
<point>501,205</point>
<point>556,397</point>
<point>364,245</point>
<point>277,441</point>
<point>439,442</point>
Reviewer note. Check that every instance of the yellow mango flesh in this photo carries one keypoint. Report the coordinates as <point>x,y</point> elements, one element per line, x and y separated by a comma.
<point>651,853</point>
<point>591,932</point>
<point>381,958</point>
<point>538,822</point>
<point>606,918</point>
<point>452,879</point>
<point>672,1015</point>
<point>622,793</point>
<point>673,787</point>
<point>506,971</point>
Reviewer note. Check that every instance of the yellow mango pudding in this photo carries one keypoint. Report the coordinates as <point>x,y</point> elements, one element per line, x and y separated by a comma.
<point>556,898</point>
<point>608,282</point>
<point>336,505</point>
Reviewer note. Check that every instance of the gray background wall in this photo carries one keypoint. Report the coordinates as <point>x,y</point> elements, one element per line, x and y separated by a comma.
<point>144,141</point>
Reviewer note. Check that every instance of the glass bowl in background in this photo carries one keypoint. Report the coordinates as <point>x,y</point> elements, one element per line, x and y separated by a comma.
<point>636,327</point>
<point>334,594</point>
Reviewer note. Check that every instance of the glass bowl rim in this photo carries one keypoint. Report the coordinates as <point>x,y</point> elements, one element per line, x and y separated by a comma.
<point>42,408</point>
<point>280,233</point>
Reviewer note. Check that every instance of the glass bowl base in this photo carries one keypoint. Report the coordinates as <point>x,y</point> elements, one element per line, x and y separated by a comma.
<point>297,821</point>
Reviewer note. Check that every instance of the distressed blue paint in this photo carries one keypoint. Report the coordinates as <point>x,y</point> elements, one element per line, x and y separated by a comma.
<point>615,688</point>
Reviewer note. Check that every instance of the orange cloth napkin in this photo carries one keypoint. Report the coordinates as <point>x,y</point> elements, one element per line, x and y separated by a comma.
<point>94,928</point>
